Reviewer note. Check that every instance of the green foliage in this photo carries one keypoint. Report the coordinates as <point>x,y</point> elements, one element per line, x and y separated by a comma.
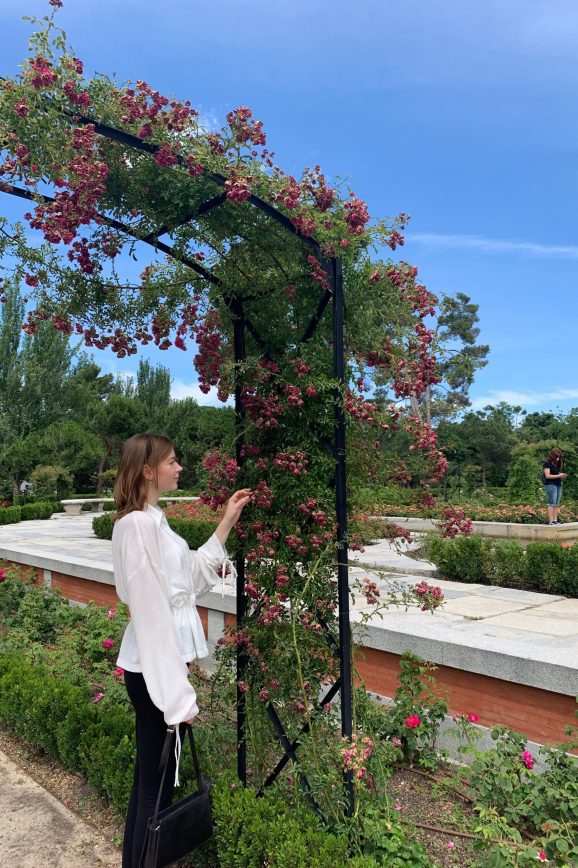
<point>509,795</point>
<point>72,445</point>
<point>251,832</point>
<point>506,563</point>
<point>10,514</point>
<point>388,843</point>
<point>37,510</point>
<point>543,566</point>
<point>51,481</point>
<point>417,699</point>
<point>523,483</point>
<point>103,526</point>
<point>462,559</point>
<point>195,532</point>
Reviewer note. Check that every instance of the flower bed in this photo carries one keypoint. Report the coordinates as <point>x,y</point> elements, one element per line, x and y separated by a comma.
<point>61,692</point>
<point>522,514</point>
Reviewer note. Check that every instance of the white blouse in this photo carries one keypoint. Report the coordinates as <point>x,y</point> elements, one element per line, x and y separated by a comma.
<point>158,577</point>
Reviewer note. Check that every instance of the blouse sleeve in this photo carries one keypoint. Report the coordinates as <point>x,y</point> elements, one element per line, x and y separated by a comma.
<point>205,563</point>
<point>164,671</point>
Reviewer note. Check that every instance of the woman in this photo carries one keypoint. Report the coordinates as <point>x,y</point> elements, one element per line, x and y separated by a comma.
<point>552,478</point>
<point>159,578</point>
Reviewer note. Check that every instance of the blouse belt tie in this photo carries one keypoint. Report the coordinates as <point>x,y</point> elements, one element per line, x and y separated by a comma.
<point>232,569</point>
<point>178,747</point>
<point>182,599</point>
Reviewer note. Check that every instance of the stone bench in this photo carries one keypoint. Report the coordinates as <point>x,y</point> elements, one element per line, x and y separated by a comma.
<point>74,507</point>
<point>169,501</point>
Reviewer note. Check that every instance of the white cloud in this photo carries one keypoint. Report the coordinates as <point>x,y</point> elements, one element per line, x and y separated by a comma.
<point>524,399</point>
<point>180,390</point>
<point>496,245</point>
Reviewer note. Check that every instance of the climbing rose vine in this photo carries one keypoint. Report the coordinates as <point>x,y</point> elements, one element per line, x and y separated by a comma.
<point>181,201</point>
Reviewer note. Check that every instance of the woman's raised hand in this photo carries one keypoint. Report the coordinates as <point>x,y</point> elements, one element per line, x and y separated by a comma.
<point>235,505</point>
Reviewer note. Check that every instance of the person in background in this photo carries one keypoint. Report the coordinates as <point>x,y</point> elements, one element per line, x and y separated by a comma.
<point>552,477</point>
<point>158,577</point>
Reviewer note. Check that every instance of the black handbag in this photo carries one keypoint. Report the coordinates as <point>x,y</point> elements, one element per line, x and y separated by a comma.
<point>177,830</point>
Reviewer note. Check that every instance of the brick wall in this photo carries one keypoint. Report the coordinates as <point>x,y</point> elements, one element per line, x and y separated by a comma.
<point>85,590</point>
<point>541,714</point>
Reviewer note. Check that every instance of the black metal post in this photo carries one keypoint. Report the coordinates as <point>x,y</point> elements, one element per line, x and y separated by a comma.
<point>239,349</point>
<point>341,514</point>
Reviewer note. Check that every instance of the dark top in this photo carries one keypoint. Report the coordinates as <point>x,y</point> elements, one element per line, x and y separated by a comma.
<point>553,469</point>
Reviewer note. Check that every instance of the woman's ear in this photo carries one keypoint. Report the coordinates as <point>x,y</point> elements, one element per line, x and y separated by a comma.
<point>147,472</point>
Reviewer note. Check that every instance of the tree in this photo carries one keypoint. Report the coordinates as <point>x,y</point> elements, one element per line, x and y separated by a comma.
<point>70,445</point>
<point>33,376</point>
<point>489,437</point>
<point>153,390</point>
<point>523,483</point>
<point>195,430</point>
<point>459,358</point>
<point>115,421</point>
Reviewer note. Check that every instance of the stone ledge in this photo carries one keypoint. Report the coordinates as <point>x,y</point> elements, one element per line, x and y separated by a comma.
<point>73,566</point>
<point>508,660</point>
<point>497,529</point>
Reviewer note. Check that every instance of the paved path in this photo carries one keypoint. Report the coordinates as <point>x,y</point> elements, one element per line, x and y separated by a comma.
<point>37,830</point>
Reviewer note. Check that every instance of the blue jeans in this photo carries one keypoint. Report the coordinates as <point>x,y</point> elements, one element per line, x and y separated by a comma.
<point>554,494</point>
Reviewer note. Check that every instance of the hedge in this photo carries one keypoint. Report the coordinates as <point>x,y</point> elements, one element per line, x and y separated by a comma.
<point>547,567</point>
<point>10,514</point>
<point>37,510</point>
<point>194,531</point>
<point>98,742</point>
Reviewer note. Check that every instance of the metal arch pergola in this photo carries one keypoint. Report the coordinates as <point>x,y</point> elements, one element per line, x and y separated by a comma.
<point>340,649</point>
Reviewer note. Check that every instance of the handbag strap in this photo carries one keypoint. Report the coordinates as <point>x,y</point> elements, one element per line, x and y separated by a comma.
<point>171,730</point>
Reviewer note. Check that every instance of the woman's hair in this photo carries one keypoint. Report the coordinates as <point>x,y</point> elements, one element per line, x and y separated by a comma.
<point>555,457</point>
<point>130,488</point>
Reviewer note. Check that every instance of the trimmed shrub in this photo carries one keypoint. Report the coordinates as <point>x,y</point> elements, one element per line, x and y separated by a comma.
<point>506,563</point>
<point>570,572</point>
<point>194,532</point>
<point>10,514</point>
<point>37,510</point>
<point>251,832</point>
<point>462,559</point>
<point>524,485</point>
<point>103,526</point>
<point>545,566</point>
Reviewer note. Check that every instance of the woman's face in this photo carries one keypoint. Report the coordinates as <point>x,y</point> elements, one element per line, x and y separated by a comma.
<point>168,473</point>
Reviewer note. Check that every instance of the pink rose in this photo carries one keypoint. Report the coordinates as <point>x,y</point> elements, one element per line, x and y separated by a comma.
<point>413,721</point>
<point>528,759</point>
<point>473,718</point>
<point>108,643</point>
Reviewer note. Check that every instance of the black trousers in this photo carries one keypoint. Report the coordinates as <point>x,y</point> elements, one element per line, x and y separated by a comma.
<point>151,731</point>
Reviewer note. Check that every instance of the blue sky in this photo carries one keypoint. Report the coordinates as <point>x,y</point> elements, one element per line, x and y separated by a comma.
<point>460,114</point>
